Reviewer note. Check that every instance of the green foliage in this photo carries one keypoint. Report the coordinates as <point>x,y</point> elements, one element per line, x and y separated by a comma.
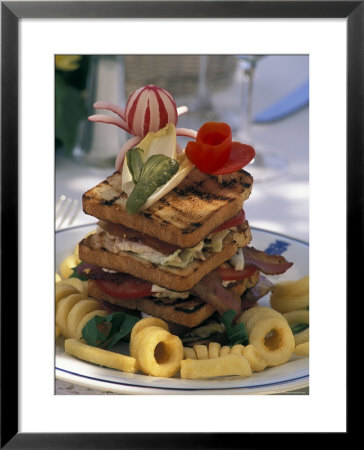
<point>70,106</point>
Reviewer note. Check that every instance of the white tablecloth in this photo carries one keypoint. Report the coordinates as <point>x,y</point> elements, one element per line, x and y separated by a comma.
<point>280,205</point>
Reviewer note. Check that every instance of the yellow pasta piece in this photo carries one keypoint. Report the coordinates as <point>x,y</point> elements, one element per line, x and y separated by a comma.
<point>292,288</point>
<point>58,278</point>
<point>66,266</point>
<point>289,303</point>
<point>100,356</point>
<point>225,350</point>
<point>216,367</point>
<point>78,311</point>
<point>158,352</point>
<point>273,339</point>
<point>256,361</point>
<point>214,349</point>
<point>143,323</point>
<point>63,308</point>
<point>302,337</point>
<point>189,353</point>
<point>81,286</point>
<point>247,314</point>
<point>237,349</point>
<point>261,312</point>
<point>302,349</point>
<point>63,291</point>
<point>298,316</point>
<point>201,351</point>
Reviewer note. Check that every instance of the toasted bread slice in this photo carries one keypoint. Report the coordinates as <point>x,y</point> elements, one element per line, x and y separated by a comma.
<point>184,216</point>
<point>98,249</point>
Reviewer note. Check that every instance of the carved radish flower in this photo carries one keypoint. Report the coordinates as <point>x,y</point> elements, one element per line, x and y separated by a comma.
<point>149,108</point>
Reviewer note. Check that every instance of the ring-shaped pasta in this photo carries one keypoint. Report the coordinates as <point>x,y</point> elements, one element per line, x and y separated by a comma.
<point>261,312</point>
<point>158,353</point>
<point>302,337</point>
<point>302,349</point>
<point>140,325</point>
<point>298,316</point>
<point>289,303</point>
<point>63,309</point>
<point>292,287</point>
<point>273,339</point>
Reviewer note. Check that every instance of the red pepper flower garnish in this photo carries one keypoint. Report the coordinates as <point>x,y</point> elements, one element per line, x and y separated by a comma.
<point>215,153</point>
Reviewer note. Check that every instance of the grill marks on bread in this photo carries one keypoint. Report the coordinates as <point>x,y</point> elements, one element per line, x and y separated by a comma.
<point>184,216</point>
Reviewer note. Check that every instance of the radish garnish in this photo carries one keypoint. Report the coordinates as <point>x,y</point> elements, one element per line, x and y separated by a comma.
<point>110,107</point>
<point>103,118</point>
<point>127,146</point>
<point>148,109</point>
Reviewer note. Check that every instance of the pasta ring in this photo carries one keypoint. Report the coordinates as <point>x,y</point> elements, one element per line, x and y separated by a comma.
<point>273,339</point>
<point>63,308</point>
<point>261,312</point>
<point>302,337</point>
<point>81,286</point>
<point>298,316</point>
<point>140,325</point>
<point>302,349</point>
<point>292,287</point>
<point>158,353</point>
<point>289,303</point>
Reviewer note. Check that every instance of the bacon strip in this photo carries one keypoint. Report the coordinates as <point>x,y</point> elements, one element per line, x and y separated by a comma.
<point>268,264</point>
<point>211,290</point>
<point>251,296</point>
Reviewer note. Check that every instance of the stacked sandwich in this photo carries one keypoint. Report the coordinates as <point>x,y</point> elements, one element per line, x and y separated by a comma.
<point>182,255</point>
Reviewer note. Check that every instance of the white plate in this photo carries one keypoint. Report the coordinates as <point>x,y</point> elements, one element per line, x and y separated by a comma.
<point>292,375</point>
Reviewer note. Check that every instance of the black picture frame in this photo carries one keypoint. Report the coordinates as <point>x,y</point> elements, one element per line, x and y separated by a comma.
<point>11,13</point>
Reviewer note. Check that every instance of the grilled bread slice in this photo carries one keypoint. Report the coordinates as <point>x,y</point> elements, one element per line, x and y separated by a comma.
<point>98,249</point>
<point>184,216</point>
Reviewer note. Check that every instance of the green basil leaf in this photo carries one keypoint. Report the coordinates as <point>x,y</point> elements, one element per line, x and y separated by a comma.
<point>135,163</point>
<point>75,274</point>
<point>91,332</point>
<point>107,331</point>
<point>236,333</point>
<point>151,165</point>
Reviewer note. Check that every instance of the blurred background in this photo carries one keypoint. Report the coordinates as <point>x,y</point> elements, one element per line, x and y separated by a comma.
<point>264,98</point>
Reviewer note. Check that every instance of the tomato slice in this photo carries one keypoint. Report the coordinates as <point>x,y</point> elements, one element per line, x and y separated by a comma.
<point>230,274</point>
<point>212,147</point>
<point>129,288</point>
<point>235,221</point>
<point>240,156</point>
